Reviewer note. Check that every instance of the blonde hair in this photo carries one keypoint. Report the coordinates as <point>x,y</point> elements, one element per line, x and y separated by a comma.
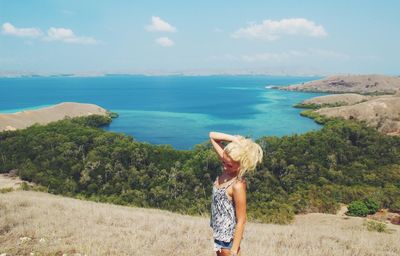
<point>245,151</point>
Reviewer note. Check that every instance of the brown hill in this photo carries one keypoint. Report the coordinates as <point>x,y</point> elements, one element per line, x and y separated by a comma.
<point>27,118</point>
<point>341,99</point>
<point>363,84</point>
<point>381,112</point>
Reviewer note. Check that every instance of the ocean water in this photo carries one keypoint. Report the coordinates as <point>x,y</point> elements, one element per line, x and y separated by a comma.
<point>175,110</point>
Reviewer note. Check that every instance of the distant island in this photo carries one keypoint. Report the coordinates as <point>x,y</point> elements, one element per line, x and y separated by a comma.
<point>24,119</point>
<point>374,99</point>
<point>362,84</point>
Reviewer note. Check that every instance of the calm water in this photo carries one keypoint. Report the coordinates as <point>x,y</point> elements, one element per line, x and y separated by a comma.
<point>176,110</point>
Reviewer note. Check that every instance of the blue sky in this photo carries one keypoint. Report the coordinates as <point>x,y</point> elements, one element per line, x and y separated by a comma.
<point>276,37</point>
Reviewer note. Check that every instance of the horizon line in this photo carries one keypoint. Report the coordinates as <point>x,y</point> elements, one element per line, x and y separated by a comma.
<point>18,74</point>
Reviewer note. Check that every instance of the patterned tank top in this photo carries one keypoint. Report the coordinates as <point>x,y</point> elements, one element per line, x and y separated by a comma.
<point>223,215</point>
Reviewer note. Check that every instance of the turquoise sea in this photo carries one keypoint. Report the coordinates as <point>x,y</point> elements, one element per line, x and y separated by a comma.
<point>176,110</point>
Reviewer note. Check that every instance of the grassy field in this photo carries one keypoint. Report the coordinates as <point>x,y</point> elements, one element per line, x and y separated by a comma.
<point>36,223</point>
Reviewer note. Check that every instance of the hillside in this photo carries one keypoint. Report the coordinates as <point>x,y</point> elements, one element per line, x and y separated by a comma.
<point>379,112</point>
<point>382,113</point>
<point>46,115</point>
<point>301,174</point>
<point>46,224</point>
<point>362,84</point>
<point>342,162</point>
<point>337,99</point>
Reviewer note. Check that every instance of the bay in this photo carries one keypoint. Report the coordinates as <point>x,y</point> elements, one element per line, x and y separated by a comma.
<point>175,110</point>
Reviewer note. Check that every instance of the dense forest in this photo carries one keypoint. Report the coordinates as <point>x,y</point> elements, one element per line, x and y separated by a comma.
<point>345,161</point>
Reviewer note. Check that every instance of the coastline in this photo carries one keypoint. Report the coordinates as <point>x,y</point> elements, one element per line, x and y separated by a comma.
<point>143,119</point>
<point>361,84</point>
<point>374,99</point>
<point>25,118</point>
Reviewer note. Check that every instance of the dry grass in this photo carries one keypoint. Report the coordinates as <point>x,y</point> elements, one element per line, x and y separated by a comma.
<point>53,225</point>
<point>9,182</point>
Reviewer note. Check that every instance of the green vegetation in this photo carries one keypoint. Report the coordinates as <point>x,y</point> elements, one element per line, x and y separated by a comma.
<point>343,162</point>
<point>358,208</point>
<point>319,119</point>
<point>376,226</point>
<point>318,106</point>
<point>113,114</point>
<point>371,205</point>
<point>362,207</point>
<point>6,190</point>
<point>26,186</point>
<point>380,93</point>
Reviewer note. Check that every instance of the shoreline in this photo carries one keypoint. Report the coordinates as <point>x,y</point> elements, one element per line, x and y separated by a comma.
<point>17,110</point>
<point>25,118</point>
<point>265,110</point>
<point>352,97</point>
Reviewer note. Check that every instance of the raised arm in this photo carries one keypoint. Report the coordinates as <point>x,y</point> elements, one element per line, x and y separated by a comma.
<point>216,139</point>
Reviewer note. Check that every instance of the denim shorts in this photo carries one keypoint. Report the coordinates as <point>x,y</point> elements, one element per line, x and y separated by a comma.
<point>218,245</point>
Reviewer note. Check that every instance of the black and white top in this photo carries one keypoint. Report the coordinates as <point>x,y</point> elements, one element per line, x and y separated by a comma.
<point>223,215</point>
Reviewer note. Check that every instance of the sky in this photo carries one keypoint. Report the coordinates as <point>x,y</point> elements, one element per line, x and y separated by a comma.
<point>308,37</point>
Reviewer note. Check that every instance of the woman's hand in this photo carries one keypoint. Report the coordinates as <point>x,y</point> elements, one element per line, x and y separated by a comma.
<point>217,138</point>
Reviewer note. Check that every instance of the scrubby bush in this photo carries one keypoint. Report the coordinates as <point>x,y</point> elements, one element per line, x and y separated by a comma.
<point>395,207</point>
<point>6,190</point>
<point>372,206</point>
<point>358,208</point>
<point>376,226</point>
<point>271,212</point>
<point>363,207</point>
<point>25,186</point>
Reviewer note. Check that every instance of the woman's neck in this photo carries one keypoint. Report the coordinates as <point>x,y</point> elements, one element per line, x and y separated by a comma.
<point>228,175</point>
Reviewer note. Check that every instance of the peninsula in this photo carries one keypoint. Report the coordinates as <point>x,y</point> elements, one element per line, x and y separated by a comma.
<point>376,100</point>
<point>24,119</point>
<point>362,84</point>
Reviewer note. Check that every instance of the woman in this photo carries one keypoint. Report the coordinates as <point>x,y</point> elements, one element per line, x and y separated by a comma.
<point>228,207</point>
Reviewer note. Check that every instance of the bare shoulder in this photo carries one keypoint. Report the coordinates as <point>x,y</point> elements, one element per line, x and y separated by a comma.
<point>240,185</point>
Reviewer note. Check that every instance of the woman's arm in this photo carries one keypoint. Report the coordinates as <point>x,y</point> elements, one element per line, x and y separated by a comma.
<point>239,196</point>
<point>216,139</point>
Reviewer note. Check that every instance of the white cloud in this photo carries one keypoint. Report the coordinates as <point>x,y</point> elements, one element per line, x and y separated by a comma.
<point>164,41</point>
<point>157,24</point>
<point>67,35</point>
<point>10,29</point>
<point>53,34</point>
<point>271,30</point>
